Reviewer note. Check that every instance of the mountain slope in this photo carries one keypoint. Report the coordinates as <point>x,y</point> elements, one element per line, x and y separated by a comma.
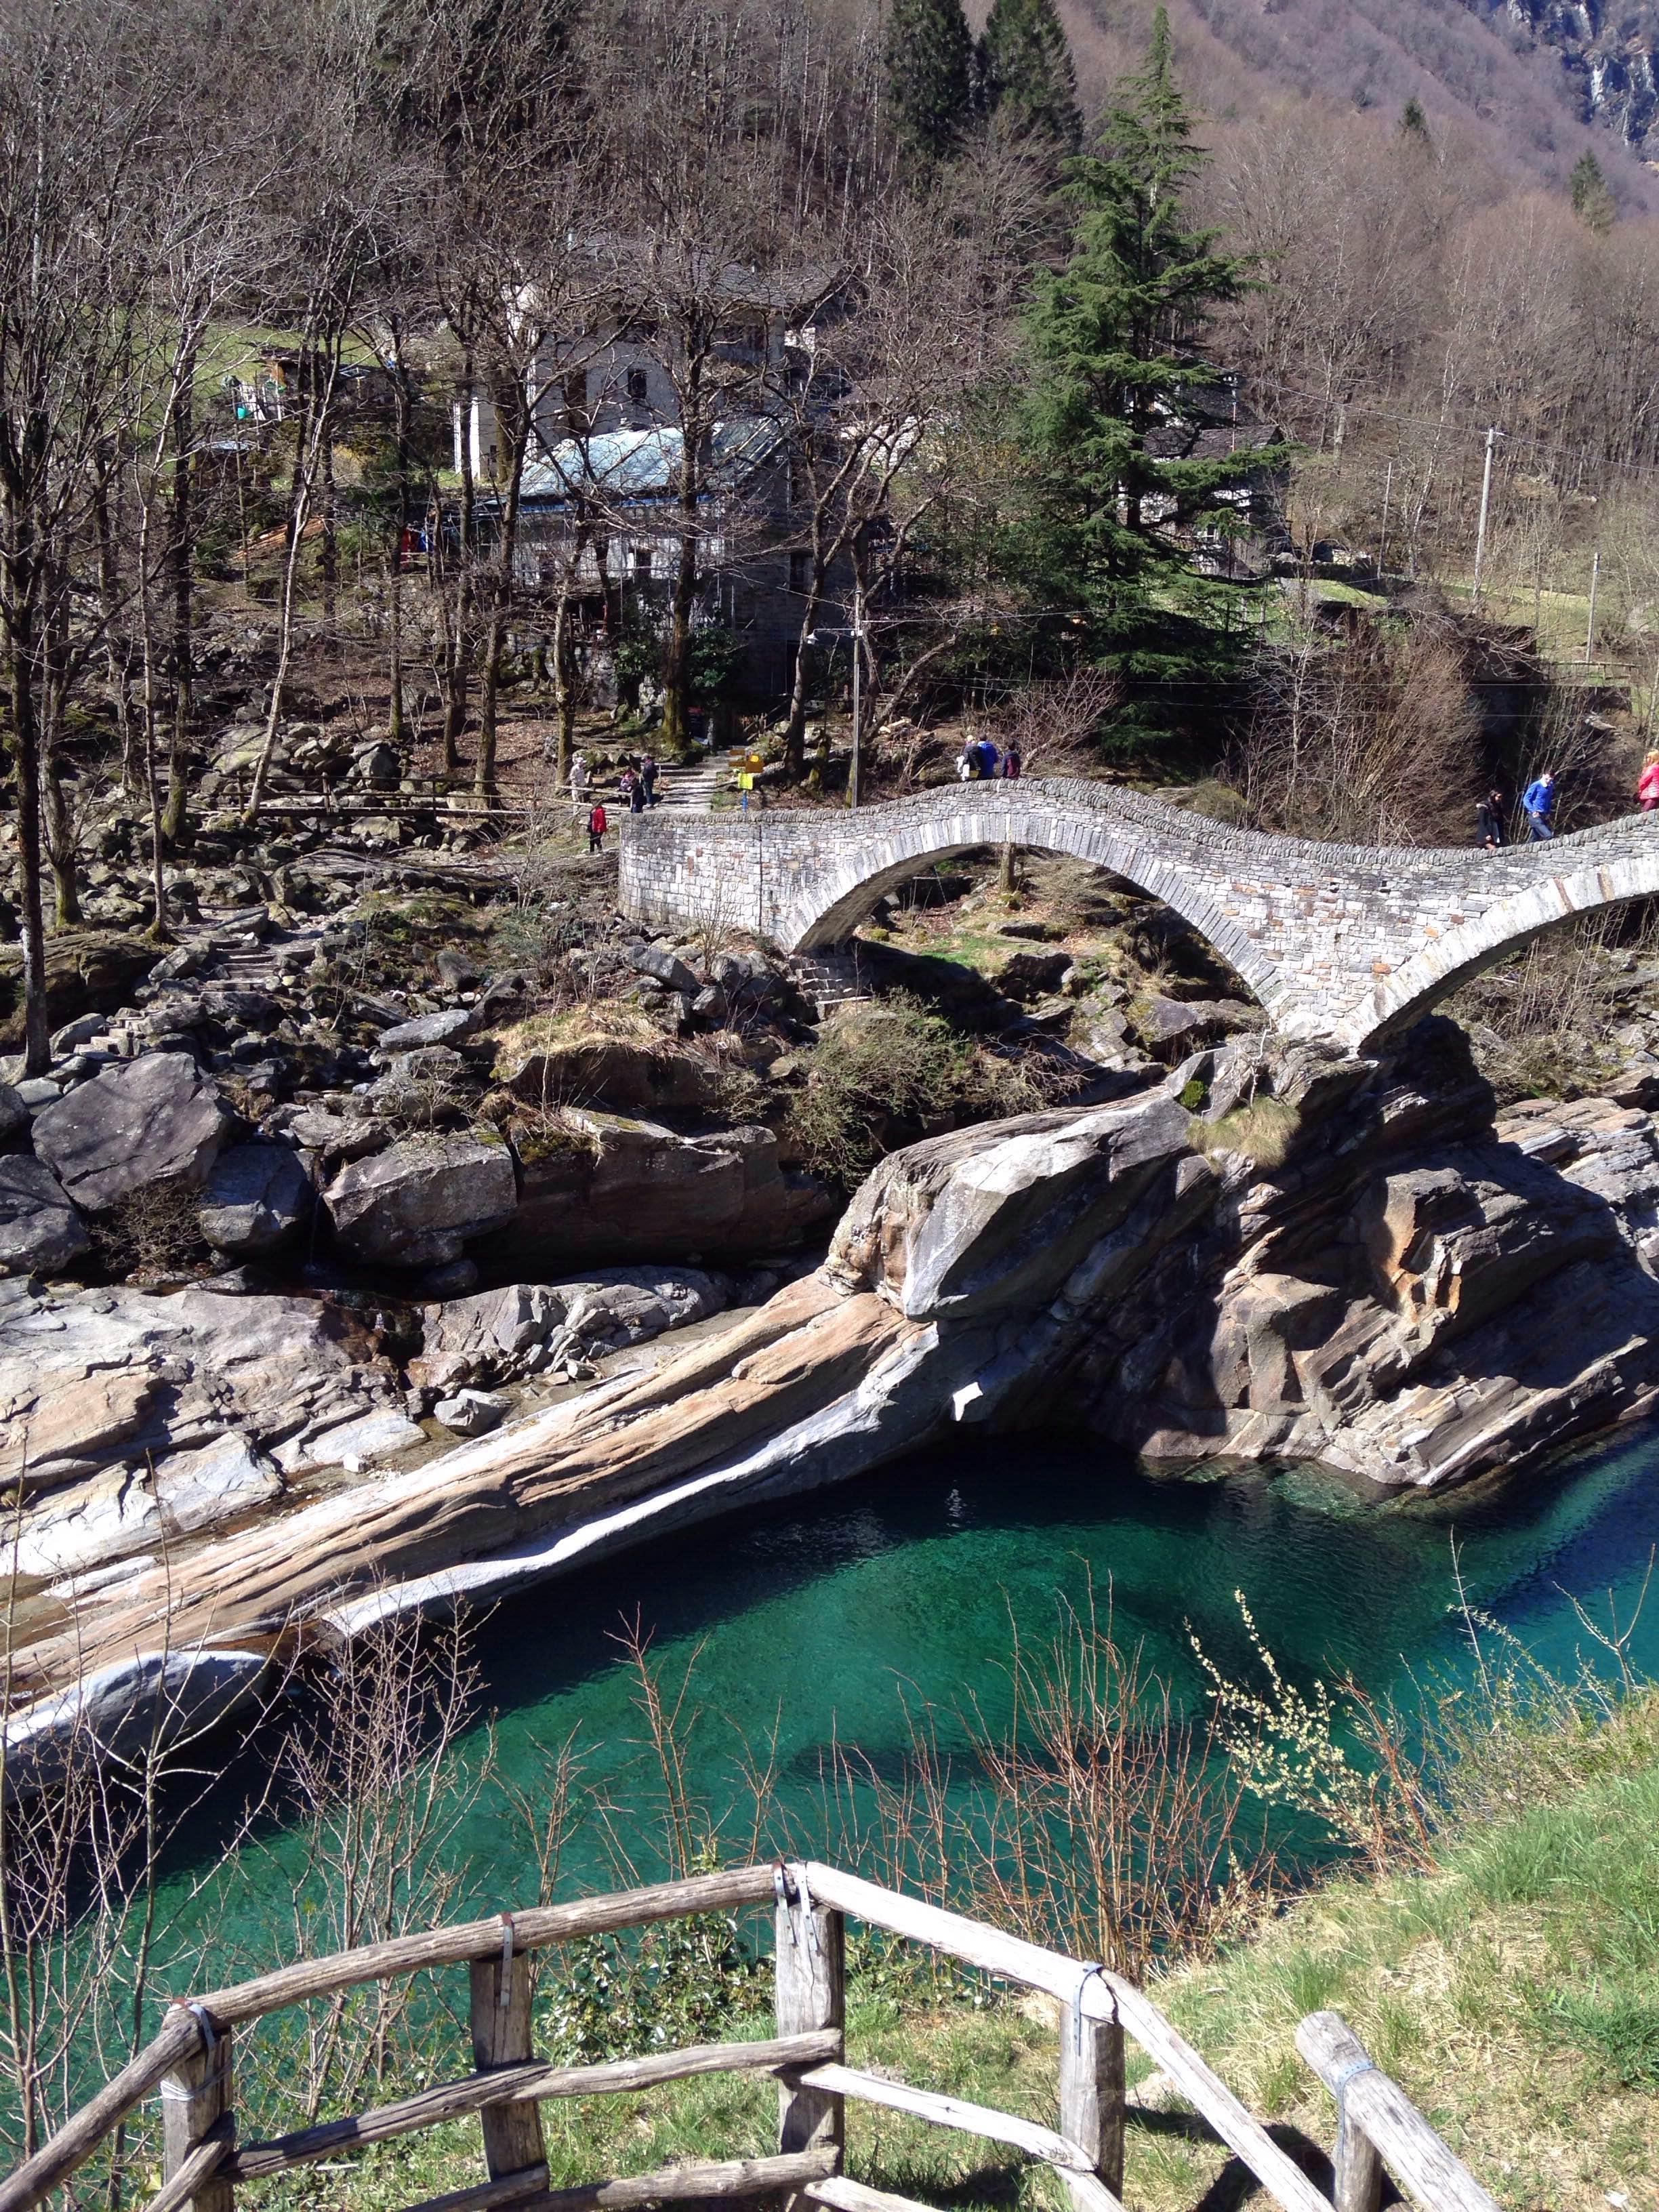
<point>1509,81</point>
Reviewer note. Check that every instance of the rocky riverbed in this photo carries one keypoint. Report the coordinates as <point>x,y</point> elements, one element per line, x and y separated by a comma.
<point>1264,1253</point>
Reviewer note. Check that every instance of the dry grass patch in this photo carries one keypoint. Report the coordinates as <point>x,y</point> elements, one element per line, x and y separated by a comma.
<point>1263,1131</point>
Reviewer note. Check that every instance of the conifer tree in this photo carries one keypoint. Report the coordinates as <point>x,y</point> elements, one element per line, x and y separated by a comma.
<point>1113,337</point>
<point>1414,127</point>
<point>1592,201</point>
<point>930,73</point>
<point>1027,76</point>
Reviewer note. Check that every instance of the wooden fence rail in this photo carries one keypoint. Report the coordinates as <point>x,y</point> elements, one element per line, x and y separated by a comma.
<point>191,2062</point>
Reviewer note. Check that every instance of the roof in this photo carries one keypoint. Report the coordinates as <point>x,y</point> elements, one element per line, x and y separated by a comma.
<point>644,465</point>
<point>1209,441</point>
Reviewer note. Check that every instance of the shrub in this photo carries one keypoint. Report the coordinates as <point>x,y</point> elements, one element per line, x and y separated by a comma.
<point>873,1064</point>
<point>154,1231</point>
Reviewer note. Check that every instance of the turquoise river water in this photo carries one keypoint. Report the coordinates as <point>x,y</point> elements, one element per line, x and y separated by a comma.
<point>813,1625</point>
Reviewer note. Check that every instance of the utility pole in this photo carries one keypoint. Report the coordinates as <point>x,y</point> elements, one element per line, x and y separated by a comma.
<point>1382,548</point>
<point>1590,633</point>
<point>1493,434</point>
<point>858,688</point>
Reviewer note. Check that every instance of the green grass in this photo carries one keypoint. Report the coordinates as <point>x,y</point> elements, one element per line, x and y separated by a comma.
<point>1512,1987</point>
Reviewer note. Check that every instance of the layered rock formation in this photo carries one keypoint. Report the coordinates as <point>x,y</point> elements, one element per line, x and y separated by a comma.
<point>1333,1258</point>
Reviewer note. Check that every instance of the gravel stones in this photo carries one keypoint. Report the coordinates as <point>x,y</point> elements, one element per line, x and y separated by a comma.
<point>146,1120</point>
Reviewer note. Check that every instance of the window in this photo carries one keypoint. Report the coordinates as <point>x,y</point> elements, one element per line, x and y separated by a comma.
<point>575,399</point>
<point>638,387</point>
<point>642,564</point>
<point>800,571</point>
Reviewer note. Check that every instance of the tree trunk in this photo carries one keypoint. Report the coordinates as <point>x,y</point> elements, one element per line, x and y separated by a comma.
<point>397,728</point>
<point>329,557</point>
<point>677,665</point>
<point>61,854</point>
<point>517,413</point>
<point>117,654</point>
<point>180,550</point>
<point>457,653</point>
<point>23,590</point>
<point>794,734</point>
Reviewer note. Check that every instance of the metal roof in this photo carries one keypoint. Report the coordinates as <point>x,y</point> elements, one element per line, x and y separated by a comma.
<point>628,466</point>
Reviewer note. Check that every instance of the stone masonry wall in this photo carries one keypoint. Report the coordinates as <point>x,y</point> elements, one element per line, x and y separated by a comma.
<point>1338,942</point>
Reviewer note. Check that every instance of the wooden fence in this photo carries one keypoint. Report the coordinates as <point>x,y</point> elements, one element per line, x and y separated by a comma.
<point>191,2063</point>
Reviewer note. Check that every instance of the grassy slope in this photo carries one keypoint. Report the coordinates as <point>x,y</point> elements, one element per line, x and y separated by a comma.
<point>1513,1990</point>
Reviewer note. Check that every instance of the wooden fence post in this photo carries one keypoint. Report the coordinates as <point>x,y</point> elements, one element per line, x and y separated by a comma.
<point>500,2037</point>
<point>810,1965</point>
<point>1338,2057</point>
<point>196,2102</point>
<point>1092,2093</point>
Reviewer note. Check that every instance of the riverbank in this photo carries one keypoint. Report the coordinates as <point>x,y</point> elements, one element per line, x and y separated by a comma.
<point>1504,1978</point>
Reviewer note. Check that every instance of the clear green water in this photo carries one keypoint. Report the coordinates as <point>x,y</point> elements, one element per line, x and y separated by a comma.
<point>813,1622</point>
<point>810,1626</point>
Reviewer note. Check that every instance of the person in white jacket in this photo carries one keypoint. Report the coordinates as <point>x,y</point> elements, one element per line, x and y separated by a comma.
<point>578,786</point>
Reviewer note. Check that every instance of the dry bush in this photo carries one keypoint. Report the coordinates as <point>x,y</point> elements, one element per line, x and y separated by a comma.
<point>1098,1819</point>
<point>152,1233</point>
<point>1539,1021</point>
<point>1055,724</point>
<point>1369,738</point>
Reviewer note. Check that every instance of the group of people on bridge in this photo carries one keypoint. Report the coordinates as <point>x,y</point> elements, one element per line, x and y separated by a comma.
<point>980,762</point>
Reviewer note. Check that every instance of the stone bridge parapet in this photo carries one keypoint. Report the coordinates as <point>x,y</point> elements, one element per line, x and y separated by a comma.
<point>1340,942</point>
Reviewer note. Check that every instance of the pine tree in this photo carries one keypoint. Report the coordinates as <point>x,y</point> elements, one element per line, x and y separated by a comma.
<point>1027,76</point>
<point>1414,127</point>
<point>930,73</point>
<point>1113,335</point>
<point>1592,201</point>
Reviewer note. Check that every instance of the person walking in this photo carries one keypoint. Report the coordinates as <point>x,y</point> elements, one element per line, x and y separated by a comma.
<point>577,785</point>
<point>597,826</point>
<point>648,774</point>
<point>1013,764</point>
<point>1489,821</point>
<point>1539,801</point>
<point>967,766</point>
<point>1647,787</point>
<point>990,758</point>
<point>636,795</point>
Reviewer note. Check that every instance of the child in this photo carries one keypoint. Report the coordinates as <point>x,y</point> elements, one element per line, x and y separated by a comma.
<point>597,826</point>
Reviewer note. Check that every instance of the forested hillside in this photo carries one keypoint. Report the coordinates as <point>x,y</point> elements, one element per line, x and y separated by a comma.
<point>1516,81</point>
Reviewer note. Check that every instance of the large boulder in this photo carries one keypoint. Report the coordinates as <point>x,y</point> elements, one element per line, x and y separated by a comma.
<point>93,970</point>
<point>40,1230</point>
<point>416,1204</point>
<point>255,1196</point>
<point>637,1191</point>
<point>146,1120</point>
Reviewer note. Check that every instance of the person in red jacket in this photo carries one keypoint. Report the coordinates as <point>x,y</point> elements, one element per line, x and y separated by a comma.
<point>1647,788</point>
<point>597,826</point>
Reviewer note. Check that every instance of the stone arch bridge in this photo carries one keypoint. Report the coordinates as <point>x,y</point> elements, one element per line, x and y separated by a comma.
<point>1341,944</point>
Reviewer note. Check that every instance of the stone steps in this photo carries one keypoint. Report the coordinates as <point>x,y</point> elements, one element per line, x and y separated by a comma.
<point>831,979</point>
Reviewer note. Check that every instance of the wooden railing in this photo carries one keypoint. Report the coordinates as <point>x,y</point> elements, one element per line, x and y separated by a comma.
<point>191,2063</point>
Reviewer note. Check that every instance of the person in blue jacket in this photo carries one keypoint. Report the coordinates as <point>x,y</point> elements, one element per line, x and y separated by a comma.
<point>1539,801</point>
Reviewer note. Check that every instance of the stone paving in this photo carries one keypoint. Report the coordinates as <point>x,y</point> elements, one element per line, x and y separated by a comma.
<point>1340,942</point>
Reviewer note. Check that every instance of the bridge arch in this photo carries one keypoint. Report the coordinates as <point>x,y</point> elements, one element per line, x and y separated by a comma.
<point>1459,954</point>
<point>843,892</point>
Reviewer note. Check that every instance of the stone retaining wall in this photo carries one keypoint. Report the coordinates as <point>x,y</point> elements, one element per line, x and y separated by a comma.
<point>1340,942</point>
